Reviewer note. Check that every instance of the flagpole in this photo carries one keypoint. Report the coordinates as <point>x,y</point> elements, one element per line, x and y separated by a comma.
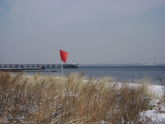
<point>62,68</point>
<point>64,56</point>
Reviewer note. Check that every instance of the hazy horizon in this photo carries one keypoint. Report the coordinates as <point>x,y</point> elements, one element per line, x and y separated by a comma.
<point>92,31</point>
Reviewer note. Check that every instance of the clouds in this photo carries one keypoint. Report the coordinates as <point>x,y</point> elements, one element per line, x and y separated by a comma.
<point>54,13</point>
<point>76,11</point>
<point>44,26</point>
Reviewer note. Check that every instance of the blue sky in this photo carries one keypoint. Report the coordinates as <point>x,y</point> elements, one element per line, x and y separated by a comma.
<point>92,31</point>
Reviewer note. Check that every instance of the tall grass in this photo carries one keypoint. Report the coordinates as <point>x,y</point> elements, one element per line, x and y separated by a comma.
<point>72,99</point>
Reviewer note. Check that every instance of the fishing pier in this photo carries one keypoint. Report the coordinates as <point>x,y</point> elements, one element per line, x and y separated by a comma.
<point>34,67</point>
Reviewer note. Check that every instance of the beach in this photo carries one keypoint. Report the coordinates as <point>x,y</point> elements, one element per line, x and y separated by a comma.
<point>77,99</point>
<point>82,62</point>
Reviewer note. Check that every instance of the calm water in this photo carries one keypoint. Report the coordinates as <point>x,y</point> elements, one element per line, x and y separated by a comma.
<point>156,74</point>
<point>124,73</point>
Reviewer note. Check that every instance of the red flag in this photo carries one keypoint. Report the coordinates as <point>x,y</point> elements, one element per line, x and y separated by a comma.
<point>64,55</point>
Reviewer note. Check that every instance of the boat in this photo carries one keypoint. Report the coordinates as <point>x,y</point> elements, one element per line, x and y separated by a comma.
<point>70,65</point>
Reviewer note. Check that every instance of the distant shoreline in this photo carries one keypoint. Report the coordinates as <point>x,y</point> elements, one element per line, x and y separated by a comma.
<point>121,65</point>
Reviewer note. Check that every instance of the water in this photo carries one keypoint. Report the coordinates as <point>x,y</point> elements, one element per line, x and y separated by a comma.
<point>156,74</point>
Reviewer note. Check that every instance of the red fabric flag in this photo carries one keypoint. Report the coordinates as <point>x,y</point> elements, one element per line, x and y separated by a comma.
<point>64,55</point>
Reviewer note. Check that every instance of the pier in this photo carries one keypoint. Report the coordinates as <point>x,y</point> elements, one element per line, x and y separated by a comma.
<point>34,67</point>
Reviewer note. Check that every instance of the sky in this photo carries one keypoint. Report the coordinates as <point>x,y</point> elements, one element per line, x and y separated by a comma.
<point>92,31</point>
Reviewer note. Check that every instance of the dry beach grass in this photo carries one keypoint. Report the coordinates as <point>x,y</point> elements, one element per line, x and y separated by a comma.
<point>69,100</point>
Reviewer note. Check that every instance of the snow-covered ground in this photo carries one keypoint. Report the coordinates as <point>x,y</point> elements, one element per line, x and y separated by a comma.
<point>157,114</point>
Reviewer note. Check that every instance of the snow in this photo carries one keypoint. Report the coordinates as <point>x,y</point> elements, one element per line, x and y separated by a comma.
<point>157,90</point>
<point>154,116</point>
<point>157,114</point>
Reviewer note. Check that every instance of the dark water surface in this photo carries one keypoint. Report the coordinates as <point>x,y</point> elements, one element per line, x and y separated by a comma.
<point>156,74</point>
